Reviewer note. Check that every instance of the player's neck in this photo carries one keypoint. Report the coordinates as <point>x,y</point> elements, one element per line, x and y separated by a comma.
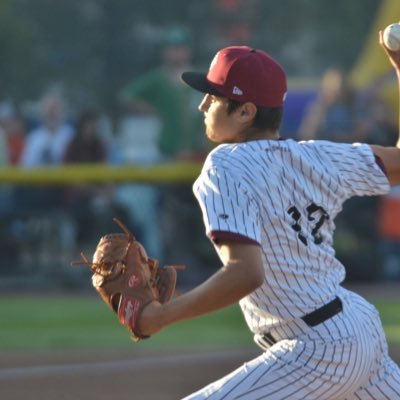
<point>251,135</point>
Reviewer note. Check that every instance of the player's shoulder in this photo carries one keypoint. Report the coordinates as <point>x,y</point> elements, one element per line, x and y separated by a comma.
<point>332,148</point>
<point>227,156</point>
<point>219,156</point>
<point>242,155</point>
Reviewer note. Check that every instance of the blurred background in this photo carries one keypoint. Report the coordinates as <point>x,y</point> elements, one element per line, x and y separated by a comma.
<point>91,87</point>
<point>98,82</point>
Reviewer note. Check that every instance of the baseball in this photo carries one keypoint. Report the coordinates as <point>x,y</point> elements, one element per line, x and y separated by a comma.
<point>391,37</point>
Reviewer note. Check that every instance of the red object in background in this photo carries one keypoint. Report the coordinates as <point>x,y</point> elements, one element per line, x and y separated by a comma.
<point>16,145</point>
<point>389,216</point>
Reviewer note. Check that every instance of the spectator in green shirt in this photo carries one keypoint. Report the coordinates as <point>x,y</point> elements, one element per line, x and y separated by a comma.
<point>160,93</point>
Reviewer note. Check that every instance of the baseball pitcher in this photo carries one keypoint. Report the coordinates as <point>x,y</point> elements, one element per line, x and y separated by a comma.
<point>269,207</point>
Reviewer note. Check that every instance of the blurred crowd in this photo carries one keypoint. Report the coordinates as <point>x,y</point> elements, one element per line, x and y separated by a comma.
<point>159,122</point>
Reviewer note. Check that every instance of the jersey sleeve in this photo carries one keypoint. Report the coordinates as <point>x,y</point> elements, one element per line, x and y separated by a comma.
<point>229,212</point>
<point>358,169</point>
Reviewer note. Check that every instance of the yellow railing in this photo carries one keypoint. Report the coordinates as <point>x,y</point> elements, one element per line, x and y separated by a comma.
<point>179,172</point>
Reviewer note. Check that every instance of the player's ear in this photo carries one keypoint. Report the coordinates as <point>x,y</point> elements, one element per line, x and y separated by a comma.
<point>247,112</point>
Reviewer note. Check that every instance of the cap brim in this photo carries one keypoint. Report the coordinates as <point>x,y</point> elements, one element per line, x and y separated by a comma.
<point>198,81</point>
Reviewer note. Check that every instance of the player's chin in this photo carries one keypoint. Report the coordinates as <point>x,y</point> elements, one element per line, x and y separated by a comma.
<point>212,136</point>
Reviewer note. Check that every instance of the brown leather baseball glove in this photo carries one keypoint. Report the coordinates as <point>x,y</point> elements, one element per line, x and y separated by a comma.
<point>127,279</point>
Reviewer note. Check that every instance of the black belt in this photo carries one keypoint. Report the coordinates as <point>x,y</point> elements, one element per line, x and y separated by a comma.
<point>315,317</point>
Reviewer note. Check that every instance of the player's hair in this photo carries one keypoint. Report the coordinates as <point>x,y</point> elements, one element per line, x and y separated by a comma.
<point>267,118</point>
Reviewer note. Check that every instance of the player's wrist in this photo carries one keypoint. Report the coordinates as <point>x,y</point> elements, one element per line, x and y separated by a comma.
<point>151,319</point>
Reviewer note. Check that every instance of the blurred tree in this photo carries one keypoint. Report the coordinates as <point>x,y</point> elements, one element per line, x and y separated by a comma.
<point>94,46</point>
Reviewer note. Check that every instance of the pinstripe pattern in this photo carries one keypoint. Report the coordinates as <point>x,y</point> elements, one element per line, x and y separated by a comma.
<point>248,188</point>
<point>285,196</point>
<point>343,358</point>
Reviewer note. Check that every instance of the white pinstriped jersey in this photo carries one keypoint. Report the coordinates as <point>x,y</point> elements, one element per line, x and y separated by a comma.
<point>284,195</point>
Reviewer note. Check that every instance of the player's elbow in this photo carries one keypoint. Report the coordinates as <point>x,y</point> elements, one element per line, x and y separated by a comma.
<point>258,277</point>
<point>254,277</point>
<point>244,264</point>
<point>244,277</point>
<point>388,158</point>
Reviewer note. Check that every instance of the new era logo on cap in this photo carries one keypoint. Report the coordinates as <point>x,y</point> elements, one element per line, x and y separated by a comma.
<point>243,74</point>
<point>237,91</point>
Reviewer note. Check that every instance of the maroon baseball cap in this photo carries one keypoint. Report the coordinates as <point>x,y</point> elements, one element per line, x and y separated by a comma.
<point>243,74</point>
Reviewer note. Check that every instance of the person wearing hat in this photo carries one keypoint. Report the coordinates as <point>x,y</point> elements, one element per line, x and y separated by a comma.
<point>269,206</point>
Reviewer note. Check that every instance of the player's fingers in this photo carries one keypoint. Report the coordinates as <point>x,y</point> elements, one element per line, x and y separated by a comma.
<point>390,54</point>
<point>380,33</point>
<point>381,42</point>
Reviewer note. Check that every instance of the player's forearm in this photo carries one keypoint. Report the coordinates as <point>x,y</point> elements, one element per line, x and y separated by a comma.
<point>226,287</point>
<point>394,59</point>
<point>390,156</point>
<point>398,112</point>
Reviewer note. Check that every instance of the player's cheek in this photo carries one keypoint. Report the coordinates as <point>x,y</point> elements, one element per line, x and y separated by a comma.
<point>208,124</point>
